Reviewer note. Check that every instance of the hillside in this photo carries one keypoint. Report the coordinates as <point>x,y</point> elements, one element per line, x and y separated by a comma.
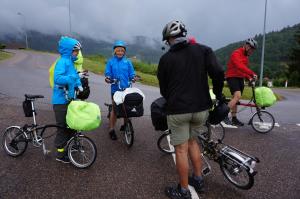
<point>277,50</point>
<point>143,48</point>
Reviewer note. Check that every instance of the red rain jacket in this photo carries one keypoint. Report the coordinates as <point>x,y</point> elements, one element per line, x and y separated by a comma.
<point>237,65</point>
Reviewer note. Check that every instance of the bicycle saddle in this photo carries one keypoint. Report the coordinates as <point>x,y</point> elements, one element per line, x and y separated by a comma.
<point>28,96</point>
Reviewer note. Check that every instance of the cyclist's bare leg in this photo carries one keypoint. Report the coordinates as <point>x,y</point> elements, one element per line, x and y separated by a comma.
<point>195,156</point>
<point>232,104</point>
<point>182,164</point>
<point>112,120</point>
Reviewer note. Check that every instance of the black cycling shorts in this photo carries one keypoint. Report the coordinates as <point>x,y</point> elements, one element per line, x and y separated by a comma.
<point>235,84</point>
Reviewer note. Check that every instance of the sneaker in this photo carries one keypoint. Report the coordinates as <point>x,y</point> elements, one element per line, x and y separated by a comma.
<point>197,184</point>
<point>227,121</point>
<point>176,193</point>
<point>113,135</point>
<point>236,122</point>
<point>122,128</point>
<point>64,159</point>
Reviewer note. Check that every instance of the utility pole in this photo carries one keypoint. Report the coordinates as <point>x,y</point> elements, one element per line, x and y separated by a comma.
<point>25,29</point>
<point>263,48</point>
<point>70,24</point>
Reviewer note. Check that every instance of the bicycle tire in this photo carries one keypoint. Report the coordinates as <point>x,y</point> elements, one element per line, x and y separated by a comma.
<point>11,143</point>
<point>163,144</point>
<point>129,134</point>
<point>262,122</point>
<point>76,150</point>
<point>217,132</point>
<point>231,170</point>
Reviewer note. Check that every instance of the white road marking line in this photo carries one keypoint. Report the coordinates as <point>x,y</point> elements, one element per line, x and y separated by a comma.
<point>298,124</point>
<point>276,124</point>
<point>228,126</point>
<point>192,189</point>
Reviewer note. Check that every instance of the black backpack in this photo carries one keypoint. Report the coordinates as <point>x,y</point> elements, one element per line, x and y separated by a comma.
<point>83,95</point>
<point>158,114</point>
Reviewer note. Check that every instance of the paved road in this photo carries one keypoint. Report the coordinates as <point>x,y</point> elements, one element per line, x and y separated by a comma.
<point>142,171</point>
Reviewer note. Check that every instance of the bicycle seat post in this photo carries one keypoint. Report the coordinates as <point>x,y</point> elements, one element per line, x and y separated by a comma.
<point>34,120</point>
<point>33,112</point>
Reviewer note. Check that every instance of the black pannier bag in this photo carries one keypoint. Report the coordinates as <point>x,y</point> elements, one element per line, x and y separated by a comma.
<point>83,95</point>
<point>158,114</point>
<point>27,108</point>
<point>133,103</point>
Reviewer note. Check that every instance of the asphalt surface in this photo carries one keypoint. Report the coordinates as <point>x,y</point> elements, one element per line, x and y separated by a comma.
<point>141,171</point>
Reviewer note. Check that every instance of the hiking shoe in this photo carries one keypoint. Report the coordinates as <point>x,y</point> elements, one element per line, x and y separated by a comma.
<point>65,159</point>
<point>236,122</point>
<point>227,121</point>
<point>122,127</point>
<point>197,184</point>
<point>176,193</point>
<point>113,135</point>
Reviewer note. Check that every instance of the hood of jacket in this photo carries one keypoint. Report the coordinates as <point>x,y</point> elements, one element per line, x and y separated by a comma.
<point>66,45</point>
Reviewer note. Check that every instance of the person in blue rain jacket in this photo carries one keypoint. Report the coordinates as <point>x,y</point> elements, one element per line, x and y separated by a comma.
<point>121,69</point>
<point>66,80</point>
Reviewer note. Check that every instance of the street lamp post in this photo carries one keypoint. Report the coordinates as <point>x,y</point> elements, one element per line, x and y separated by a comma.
<point>70,24</point>
<point>263,48</point>
<point>25,29</point>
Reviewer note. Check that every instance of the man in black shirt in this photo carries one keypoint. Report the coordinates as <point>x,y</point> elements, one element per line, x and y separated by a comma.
<point>183,79</point>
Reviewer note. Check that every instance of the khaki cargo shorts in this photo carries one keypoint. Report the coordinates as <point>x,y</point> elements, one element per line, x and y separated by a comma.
<point>186,126</point>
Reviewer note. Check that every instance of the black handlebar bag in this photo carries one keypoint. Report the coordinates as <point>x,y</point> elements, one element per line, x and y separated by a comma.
<point>158,114</point>
<point>131,107</point>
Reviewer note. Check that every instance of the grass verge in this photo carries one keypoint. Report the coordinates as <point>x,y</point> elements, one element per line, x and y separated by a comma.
<point>96,64</point>
<point>5,55</point>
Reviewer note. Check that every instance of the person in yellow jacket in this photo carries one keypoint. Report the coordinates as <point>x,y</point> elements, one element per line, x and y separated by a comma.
<point>77,64</point>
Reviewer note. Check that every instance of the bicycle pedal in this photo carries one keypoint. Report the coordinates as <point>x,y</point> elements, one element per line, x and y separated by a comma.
<point>206,171</point>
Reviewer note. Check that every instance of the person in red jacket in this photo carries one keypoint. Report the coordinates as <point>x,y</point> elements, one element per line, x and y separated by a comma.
<point>237,70</point>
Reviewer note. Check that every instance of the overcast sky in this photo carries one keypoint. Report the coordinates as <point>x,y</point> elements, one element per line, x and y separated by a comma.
<point>213,22</point>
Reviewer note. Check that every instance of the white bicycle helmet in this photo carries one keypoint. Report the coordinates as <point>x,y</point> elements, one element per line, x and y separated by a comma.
<point>174,29</point>
<point>251,42</point>
<point>77,46</point>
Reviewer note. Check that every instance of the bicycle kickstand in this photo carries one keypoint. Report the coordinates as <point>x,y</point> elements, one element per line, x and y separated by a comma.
<point>45,151</point>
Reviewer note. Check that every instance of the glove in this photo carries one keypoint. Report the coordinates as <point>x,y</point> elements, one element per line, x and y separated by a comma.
<point>107,80</point>
<point>255,77</point>
<point>80,88</point>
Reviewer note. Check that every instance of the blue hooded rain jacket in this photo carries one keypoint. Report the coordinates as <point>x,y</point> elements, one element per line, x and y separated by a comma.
<point>65,73</point>
<point>120,69</point>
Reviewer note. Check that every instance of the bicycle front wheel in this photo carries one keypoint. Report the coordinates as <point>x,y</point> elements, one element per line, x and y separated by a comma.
<point>82,151</point>
<point>217,132</point>
<point>163,143</point>
<point>262,122</point>
<point>129,134</point>
<point>236,174</point>
<point>14,141</point>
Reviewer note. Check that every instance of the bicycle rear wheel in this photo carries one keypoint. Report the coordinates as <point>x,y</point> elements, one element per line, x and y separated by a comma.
<point>14,141</point>
<point>163,143</point>
<point>262,122</point>
<point>128,133</point>
<point>82,151</point>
